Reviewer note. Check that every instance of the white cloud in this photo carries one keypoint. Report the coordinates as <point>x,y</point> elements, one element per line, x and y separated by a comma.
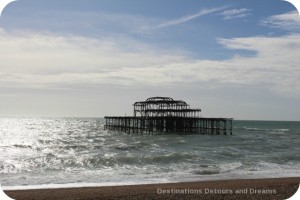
<point>32,60</point>
<point>187,18</point>
<point>235,13</point>
<point>37,59</point>
<point>31,52</point>
<point>288,21</point>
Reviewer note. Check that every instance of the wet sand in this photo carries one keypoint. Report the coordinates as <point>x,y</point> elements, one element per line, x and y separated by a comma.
<point>258,189</point>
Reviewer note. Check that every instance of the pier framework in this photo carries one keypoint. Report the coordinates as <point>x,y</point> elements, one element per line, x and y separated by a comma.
<point>165,115</point>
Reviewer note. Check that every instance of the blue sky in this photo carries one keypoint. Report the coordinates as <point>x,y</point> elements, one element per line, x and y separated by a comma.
<point>232,58</point>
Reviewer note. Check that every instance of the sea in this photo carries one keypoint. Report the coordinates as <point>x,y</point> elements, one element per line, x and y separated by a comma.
<point>78,152</point>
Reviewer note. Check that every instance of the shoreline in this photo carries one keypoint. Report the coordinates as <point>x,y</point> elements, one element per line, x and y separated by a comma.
<point>265,188</point>
<point>135,183</point>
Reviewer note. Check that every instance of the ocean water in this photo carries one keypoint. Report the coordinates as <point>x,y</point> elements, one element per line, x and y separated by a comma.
<point>39,152</point>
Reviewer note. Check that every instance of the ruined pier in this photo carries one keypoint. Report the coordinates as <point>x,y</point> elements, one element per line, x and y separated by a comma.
<point>165,115</point>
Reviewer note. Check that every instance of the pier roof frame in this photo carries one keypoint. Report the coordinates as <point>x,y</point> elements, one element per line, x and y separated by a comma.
<point>161,106</point>
<point>160,100</point>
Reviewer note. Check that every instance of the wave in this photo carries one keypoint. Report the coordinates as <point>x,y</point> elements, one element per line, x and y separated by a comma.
<point>14,167</point>
<point>217,169</point>
<point>225,167</point>
<point>58,161</point>
<point>206,171</point>
<point>23,146</point>
<point>132,146</point>
<point>263,129</point>
<point>171,158</point>
<point>69,150</point>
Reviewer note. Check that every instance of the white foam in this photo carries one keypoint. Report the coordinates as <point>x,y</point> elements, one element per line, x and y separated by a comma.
<point>70,185</point>
<point>230,166</point>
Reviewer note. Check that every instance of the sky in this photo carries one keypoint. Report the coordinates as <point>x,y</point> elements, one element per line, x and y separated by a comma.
<point>95,58</point>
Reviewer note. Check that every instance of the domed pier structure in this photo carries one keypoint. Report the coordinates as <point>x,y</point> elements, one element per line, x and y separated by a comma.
<point>166,115</point>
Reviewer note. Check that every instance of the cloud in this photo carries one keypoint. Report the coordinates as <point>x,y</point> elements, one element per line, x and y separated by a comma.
<point>235,13</point>
<point>187,18</point>
<point>49,61</point>
<point>31,59</point>
<point>288,21</point>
